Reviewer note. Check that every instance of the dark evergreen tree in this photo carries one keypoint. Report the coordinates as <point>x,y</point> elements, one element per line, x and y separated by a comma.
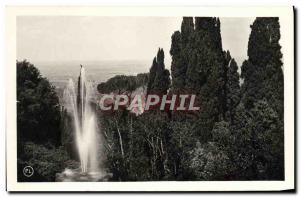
<point>159,77</point>
<point>178,67</point>
<point>232,90</point>
<point>262,73</point>
<point>39,129</point>
<point>182,43</point>
<point>152,75</point>
<point>263,98</point>
<point>38,109</point>
<point>206,71</point>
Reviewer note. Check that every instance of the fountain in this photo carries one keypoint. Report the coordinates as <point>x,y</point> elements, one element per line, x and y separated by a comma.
<point>87,139</point>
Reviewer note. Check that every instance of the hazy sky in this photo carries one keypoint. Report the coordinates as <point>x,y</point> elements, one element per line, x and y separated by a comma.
<point>59,38</point>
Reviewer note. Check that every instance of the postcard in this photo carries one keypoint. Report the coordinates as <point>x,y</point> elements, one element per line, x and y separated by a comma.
<point>150,99</point>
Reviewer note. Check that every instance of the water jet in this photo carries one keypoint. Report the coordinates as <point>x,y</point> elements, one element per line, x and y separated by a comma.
<point>86,132</point>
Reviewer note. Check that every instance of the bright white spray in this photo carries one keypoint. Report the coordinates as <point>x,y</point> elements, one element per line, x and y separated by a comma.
<point>87,139</point>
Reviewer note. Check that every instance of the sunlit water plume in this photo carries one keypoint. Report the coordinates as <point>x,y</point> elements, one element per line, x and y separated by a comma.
<point>87,134</point>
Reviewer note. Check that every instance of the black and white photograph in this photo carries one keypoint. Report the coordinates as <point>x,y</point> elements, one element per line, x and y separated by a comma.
<point>145,97</point>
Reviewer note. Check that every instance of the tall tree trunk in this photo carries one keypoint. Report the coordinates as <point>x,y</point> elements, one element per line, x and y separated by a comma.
<point>120,139</point>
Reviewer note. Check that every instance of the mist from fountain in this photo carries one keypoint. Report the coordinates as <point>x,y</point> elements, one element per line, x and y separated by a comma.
<point>88,141</point>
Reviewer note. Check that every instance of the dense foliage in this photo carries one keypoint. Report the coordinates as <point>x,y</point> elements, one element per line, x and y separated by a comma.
<point>38,125</point>
<point>121,84</point>
<point>159,77</point>
<point>237,134</point>
<point>262,92</point>
<point>38,109</point>
<point>45,160</point>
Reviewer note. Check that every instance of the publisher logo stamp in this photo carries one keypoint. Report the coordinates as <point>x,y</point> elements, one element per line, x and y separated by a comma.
<point>28,171</point>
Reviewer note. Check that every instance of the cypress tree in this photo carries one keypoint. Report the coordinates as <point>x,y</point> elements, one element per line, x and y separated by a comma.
<point>262,73</point>
<point>159,77</point>
<point>178,67</point>
<point>187,29</point>
<point>181,51</point>
<point>199,66</point>
<point>232,90</point>
<point>263,98</point>
<point>205,74</point>
<point>152,74</point>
